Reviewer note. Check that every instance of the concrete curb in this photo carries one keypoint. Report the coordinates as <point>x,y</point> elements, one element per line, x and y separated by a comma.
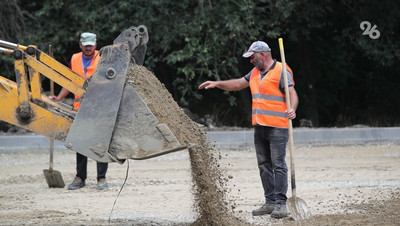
<point>244,138</point>
<point>312,136</point>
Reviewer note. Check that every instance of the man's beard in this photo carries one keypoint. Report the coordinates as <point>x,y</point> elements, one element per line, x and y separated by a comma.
<point>88,54</point>
<point>259,64</point>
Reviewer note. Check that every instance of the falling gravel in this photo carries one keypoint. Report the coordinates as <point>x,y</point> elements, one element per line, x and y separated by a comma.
<point>208,180</point>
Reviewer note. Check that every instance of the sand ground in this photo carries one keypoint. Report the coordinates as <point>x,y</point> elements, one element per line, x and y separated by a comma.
<point>342,185</point>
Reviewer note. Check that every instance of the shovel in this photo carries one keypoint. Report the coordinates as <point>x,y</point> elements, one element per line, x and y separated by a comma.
<point>297,206</point>
<point>53,177</point>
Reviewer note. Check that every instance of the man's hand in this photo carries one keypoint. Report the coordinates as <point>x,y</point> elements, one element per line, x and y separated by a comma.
<point>63,93</point>
<point>228,85</point>
<point>291,114</point>
<point>208,85</point>
<point>54,98</point>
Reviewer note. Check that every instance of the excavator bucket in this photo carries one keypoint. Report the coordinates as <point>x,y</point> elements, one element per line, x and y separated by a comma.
<point>113,122</point>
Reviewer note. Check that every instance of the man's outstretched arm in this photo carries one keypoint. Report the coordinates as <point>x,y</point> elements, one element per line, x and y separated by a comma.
<point>228,85</point>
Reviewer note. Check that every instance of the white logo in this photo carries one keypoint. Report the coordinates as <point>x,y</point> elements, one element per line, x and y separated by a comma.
<point>372,32</point>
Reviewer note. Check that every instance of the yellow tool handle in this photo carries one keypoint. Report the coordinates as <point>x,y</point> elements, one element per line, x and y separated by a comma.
<point>280,40</point>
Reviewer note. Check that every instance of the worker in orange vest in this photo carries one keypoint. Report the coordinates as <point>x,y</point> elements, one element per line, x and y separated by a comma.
<point>84,63</point>
<point>270,121</point>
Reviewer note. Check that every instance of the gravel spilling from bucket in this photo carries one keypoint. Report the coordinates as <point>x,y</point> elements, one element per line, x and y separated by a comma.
<point>208,180</point>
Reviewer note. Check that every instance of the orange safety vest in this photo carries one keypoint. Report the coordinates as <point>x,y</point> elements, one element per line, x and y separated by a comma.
<point>77,66</point>
<point>269,103</point>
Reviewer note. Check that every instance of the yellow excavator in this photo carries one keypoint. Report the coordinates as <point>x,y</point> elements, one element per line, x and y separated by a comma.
<point>113,122</point>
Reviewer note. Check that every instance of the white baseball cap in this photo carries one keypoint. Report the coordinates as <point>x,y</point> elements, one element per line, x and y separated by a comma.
<point>258,46</point>
<point>88,39</point>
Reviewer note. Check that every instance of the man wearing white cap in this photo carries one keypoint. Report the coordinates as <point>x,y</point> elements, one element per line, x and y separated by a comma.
<point>84,63</point>
<point>270,121</point>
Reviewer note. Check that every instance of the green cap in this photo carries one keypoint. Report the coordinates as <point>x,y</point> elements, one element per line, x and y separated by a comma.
<point>88,39</point>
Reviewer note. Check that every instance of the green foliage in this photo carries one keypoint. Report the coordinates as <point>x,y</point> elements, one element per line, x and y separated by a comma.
<point>339,72</point>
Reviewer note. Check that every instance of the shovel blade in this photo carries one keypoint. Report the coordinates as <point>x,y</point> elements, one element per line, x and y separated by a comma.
<point>298,208</point>
<point>53,178</point>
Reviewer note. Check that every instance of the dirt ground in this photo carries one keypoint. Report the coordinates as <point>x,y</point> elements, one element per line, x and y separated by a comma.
<point>342,185</point>
<point>353,184</point>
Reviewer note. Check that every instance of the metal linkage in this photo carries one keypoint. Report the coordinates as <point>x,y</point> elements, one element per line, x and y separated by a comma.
<point>137,38</point>
<point>12,45</point>
<point>6,51</point>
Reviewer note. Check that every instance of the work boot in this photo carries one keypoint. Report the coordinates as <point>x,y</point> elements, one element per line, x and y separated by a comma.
<point>76,184</point>
<point>102,184</point>
<point>280,211</point>
<point>265,209</point>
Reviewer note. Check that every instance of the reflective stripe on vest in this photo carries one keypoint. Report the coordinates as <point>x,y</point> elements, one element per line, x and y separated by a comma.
<point>269,103</point>
<point>77,66</point>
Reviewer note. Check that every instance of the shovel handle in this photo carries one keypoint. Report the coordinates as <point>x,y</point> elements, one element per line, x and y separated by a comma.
<point>51,154</point>
<point>291,146</point>
<point>51,81</point>
<point>52,94</point>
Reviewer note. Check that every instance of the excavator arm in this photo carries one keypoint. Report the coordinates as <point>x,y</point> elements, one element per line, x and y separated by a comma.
<point>22,102</point>
<point>113,122</point>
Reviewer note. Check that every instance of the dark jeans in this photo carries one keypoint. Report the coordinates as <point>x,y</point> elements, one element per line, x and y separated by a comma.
<point>270,144</point>
<point>81,167</point>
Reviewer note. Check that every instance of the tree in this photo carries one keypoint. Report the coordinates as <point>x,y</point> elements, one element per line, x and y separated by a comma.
<point>338,71</point>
